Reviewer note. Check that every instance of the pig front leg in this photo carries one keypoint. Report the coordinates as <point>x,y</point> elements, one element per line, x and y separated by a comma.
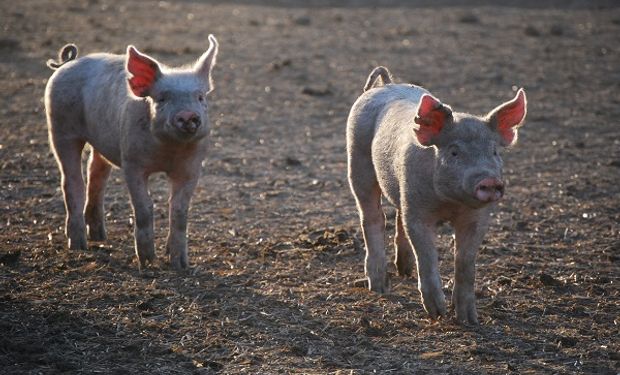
<point>142,205</point>
<point>180,196</point>
<point>422,236</point>
<point>469,234</point>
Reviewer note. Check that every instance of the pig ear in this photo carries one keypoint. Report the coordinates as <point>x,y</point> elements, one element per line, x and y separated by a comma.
<point>506,118</point>
<point>144,72</point>
<point>205,63</point>
<point>431,117</point>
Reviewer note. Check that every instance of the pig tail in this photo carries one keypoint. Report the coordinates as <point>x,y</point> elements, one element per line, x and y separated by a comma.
<point>383,72</point>
<point>67,53</point>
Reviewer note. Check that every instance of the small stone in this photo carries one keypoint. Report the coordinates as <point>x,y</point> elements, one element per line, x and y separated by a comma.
<point>556,30</point>
<point>532,31</point>
<point>567,342</point>
<point>291,161</point>
<point>469,18</point>
<point>548,280</point>
<point>302,20</point>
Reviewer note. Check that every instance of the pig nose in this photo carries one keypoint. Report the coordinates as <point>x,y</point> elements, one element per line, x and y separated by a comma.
<point>489,190</point>
<point>187,121</point>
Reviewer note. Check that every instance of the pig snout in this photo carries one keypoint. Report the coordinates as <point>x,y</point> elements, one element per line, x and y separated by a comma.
<point>187,121</point>
<point>489,190</point>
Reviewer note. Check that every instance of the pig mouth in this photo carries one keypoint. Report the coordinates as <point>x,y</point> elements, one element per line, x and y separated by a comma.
<point>489,190</point>
<point>185,134</point>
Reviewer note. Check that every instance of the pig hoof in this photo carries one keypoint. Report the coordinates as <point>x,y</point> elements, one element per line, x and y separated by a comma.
<point>179,263</point>
<point>379,287</point>
<point>436,310</point>
<point>96,234</point>
<point>404,261</point>
<point>467,322</point>
<point>404,270</point>
<point>470,323</point>
<point>467,318</point>
<point>78,243</point>
<point>434,304</point>
<point>146,257</point>
<point>144,262</point>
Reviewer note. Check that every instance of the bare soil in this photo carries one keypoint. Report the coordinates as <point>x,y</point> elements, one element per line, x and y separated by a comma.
<point>274,241</point>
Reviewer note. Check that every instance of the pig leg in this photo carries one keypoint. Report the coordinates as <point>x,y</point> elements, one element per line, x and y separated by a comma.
<point>368,197</point>
<point>469,236</point>
<point>142,204</point>
<point>180,196</point>
<point>422,236</point>
<point>68,154</point>
<point>98,173</point>
<point>404,251</point>
<point>373,229</point>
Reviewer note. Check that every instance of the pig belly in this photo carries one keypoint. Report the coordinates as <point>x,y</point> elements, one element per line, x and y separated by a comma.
<point>111,152</point>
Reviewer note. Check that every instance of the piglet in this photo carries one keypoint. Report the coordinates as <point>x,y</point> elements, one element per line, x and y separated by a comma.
<point>138,115</point>
<point>433,165</point>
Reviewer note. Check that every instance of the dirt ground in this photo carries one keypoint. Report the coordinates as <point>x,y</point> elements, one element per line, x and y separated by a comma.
<point>274,240</point>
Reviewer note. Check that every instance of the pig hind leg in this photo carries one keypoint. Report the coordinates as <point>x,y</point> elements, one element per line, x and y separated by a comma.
<point>98,173</point>
<point>68,152</point>
<point>404,251</point>
<point>367,194</point>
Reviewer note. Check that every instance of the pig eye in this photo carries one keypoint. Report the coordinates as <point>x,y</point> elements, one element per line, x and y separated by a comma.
<point>201,98</point>
<point>454,150</point>
<point>161,98</point>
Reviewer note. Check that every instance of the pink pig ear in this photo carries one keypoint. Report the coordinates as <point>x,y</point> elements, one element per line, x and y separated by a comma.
<point>431,117</point>
<point>144,72</point>
<point>507,117</point>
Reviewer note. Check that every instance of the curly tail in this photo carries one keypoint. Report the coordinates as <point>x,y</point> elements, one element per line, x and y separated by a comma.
<point>67,53</point>
<point>386,77</point>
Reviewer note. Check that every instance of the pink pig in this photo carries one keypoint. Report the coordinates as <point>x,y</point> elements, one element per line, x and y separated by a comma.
<point>433,165</point>
<point>140,116</point>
